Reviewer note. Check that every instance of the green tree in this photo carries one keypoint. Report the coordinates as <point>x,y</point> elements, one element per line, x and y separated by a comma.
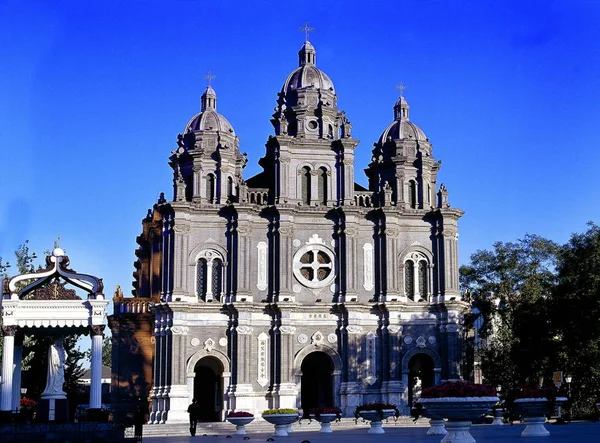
<point>511,287</point>
<point>106,352</point>
<point>576,313</point>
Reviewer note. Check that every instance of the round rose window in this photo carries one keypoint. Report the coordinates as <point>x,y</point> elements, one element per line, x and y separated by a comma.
<point>314,266</point>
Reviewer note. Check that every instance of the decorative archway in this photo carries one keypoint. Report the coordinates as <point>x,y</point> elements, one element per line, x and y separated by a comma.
<point>317,371</point>
<point>414,361</point>
<point>208,375</point>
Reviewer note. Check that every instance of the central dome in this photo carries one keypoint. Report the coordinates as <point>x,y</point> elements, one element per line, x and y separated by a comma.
<point>307,74</point>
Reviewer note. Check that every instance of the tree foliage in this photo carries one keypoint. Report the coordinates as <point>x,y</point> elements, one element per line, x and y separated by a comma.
<point>575,311</point>
<point>539,305</point>
<point>510,286</point>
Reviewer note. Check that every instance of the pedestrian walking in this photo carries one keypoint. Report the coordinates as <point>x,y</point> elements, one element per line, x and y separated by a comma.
<point>194,411</point>
<point>138,420</point>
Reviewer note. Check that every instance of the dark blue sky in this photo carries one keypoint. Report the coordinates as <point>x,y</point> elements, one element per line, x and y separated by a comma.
<point>93,95</point>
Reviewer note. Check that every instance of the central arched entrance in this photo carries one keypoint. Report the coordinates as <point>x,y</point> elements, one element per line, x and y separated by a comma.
<point>420,376</point>
<point>317,381</point>
<point>208,388</point>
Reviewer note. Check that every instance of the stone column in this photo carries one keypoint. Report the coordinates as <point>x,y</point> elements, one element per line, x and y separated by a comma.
<point>314,187</point>
<point>96,382</point>
<point>16,392</point>
<point>178,388</point>
<point>8,349</point>
<point>450,239</point>
<point>453,351</point>
<point>197,184</point>
<point>351,260</point>
<point>286,238</point>
<point>352,395</point>
<point>287,388</point>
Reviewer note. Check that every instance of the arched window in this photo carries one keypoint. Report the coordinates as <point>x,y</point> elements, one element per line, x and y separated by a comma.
<point>323,186</point>
<point>422,275</point>
<point>305,185</point>
<point>217,277</point>
<point>416,276</point>
<point>210,188</point>
<point>412,194</point>
<point>230,188</point>
<point>209,276</point>
<point>201,274</point>
<point>409,279</point>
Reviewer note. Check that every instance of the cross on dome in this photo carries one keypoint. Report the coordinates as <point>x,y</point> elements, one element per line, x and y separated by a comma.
<point>307,29</point>
<point>400,87</point>
<point>210,77</point>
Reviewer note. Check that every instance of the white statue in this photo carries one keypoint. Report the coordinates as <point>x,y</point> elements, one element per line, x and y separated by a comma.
<point>56,370</point>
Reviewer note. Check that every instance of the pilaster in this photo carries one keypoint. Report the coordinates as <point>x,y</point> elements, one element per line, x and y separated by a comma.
<point>8,349</point>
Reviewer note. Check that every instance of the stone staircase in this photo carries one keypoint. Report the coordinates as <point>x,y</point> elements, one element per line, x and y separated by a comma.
<point>260,426</point>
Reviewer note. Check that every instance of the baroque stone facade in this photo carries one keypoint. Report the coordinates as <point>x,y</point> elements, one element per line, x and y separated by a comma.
<point>296,287</point>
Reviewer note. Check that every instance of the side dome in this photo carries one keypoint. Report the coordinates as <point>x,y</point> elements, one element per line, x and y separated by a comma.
<point>402,128</point>
<point>307,74</point>
<point>208,119</point>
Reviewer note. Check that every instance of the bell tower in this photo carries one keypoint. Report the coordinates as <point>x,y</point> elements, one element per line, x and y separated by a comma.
<point>310,158</point>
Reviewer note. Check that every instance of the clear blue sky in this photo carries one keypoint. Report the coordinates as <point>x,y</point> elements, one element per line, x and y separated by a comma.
<point>94,93</point>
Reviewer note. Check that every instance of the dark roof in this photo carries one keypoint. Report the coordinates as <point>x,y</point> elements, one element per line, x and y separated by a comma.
<point>358,187</point>
<point>261,180</point>
<point>87,374</point>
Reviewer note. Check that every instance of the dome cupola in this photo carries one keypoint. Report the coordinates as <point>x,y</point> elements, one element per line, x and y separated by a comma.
<point>402,128</point>
<point>208,119</point>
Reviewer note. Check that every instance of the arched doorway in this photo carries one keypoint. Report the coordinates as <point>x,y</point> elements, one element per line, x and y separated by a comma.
<point>420,375</point>
<point>316,382</point>
<point>208,388</point>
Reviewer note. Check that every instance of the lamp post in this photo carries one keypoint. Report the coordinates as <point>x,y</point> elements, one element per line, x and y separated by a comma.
<point>569,379</point>
<point>498,410</point>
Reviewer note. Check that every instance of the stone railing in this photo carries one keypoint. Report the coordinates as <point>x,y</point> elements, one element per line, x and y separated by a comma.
<point>364,199</point>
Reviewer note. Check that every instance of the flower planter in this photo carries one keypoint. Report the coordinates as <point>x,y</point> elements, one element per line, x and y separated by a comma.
<point>281,422</point>
<point>533,412</point>
<point>376,417</point>
<point>498,415</point>
<point>240,423</point>
<point>325,420</point>
<point>437,427</point>
<point>460,412</point>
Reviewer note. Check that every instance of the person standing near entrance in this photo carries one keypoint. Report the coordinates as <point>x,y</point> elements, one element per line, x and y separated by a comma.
<point>194,411</point>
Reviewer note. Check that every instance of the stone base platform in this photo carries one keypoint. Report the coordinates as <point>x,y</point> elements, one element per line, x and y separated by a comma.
<point>63,432</point>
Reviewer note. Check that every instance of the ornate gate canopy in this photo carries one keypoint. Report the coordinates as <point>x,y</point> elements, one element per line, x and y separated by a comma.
<point>40,300</point>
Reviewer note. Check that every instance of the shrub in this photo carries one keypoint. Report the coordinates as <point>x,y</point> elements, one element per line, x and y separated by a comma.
<point>280,411</point>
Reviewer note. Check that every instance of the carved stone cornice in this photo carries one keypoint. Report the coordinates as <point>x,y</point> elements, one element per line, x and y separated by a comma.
<point>9,330</point>
<point>244,330</point>
<point>287,329</point>
<point>97,330</point>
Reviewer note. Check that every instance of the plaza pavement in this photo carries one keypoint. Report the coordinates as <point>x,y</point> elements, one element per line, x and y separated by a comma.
<point>579,432</point>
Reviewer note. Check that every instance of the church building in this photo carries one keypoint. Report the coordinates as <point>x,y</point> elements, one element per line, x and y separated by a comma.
<point>297,287</point>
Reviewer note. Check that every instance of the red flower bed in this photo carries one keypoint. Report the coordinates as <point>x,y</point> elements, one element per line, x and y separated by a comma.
<point>27,403</point>
<point>240,414</point>
<point>376,406</point>
<point>460,388</point>
<point>549,392</point>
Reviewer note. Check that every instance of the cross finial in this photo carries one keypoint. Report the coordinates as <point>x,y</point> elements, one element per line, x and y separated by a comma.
<point>210,77</point>
<point>57,242</point>
<point>400,87</point>
<point>306,28</point>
